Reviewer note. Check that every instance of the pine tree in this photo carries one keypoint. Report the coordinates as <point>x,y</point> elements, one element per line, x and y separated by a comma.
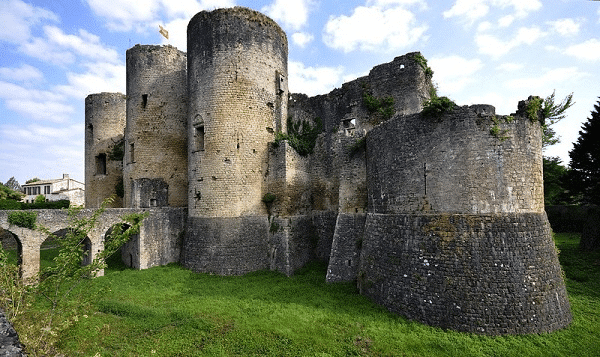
<point>585,159</point>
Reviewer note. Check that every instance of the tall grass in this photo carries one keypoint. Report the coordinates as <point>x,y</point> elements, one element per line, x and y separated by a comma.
<point>170,311</point>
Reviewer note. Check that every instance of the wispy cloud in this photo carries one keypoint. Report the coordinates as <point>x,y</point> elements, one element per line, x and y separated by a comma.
<point>292,14</point>
<point>454,73</point>
<point>374,28</point>
<point>313,80</point>
<point>587,51</point>
<point>496,47</point>
<point>17,19</point>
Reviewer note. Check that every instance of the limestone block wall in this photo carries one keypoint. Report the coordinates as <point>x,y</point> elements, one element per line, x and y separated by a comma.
<point>155,135</point>
<point>420,164</point>
<point>237,76</point>
<point>105,118</point>
<point>456,235</point>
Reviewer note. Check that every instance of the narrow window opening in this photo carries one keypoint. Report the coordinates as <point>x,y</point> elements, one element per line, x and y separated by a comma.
<point>101,164</point>
<point>401,66</point>
<point>199,134</point>
<point>153,202</point>
<point>144,100</point>
<point>131,153</point>
<point>349,262</point>
<point>91,130</point>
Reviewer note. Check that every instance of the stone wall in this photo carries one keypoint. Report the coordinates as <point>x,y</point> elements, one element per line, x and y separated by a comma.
<point>491,274</point>
<point>155,135</point>
<point>455,164</point>
<point>104,126</point>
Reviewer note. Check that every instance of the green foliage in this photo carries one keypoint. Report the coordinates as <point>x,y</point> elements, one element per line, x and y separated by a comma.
<point>23,219</point>
<point>6,193</point>
<point>585,159</point>
<point>436,107</point>
<point>35,179</point>
<point>359,145</point>
<point>556,184</point>
<point>275,227</point>
<point>10,205</point>
<point>13,184</point>
<point>268,314</point>
<point>302,136</point>
<point>496,131</point>
<point>269,198</point>
<point>422,61</point>
<point>117,152</point>
<point>39,199</point>
<point>552,113</point>
<point>53,290</point>
<point>46,205</point>
<point>383,107</point>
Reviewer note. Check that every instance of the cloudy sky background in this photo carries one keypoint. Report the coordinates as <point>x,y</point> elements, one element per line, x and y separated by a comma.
<point>53,54</point>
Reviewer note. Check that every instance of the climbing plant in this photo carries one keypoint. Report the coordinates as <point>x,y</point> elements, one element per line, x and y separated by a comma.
<point>301,135</point>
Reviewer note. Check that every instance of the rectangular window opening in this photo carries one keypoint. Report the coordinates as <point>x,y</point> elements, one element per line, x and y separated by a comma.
<point>131,153</point>
<point>144,100</point>
<point>199,135</point>
<point>101,164</point>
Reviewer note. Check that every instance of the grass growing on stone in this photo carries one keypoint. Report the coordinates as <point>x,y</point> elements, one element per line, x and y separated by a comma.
<point>170,311</point>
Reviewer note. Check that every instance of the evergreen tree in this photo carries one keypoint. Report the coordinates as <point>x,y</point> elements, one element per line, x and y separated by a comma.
<point>585,159</point>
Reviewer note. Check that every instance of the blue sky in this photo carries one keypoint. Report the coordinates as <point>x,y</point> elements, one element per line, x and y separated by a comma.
<point>54,53</point>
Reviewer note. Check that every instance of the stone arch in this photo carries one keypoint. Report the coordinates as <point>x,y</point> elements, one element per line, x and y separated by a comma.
<point>10,241</point>
<point>129,252</point>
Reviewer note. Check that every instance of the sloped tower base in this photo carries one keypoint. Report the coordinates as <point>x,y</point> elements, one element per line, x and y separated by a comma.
<point>490,274</point>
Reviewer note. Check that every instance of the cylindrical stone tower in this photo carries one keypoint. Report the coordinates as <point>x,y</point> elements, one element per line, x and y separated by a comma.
<point>456,235</point>
<point>237,84</point>
<point>104,127</point>
<point>155,165</point>
<point>237,77</point>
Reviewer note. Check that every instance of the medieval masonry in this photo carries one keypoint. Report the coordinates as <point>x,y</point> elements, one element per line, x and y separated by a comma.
<point>438,218</point>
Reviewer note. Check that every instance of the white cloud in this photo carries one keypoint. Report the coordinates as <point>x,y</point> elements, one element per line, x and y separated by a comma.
<point>587,51</point>
<point>454,73</point>
<point>496,47</point>
<point>25,73</point>
<point>86,44</point>
<point>35,104</point>
<point>382,3</point>
<point>99,77</point>
<point>125,15</point>
<point>301,39</point>
<point>565,27</point>
<point>374,28</point>
<point>553,78</point>
<point>17,18</point>
<point>291,13</point>
<point>471,10</point>
<point>510,67</point>
<point>313,80</point>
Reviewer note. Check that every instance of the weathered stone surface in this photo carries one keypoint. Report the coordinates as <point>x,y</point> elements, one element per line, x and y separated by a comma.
<point>9,340</point>
<point>486,273</point>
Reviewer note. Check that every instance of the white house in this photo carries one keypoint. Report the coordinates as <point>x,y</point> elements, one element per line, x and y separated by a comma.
<point>54,190</point>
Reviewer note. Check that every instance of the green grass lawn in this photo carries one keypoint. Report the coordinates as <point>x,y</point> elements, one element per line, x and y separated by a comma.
<point>170,311</point>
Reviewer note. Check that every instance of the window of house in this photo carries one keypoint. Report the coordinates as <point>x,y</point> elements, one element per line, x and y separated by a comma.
<point>101,164</point>
<point>46,190</point>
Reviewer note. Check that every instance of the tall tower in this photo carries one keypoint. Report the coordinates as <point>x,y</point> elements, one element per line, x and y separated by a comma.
<point>104,126</point>
<point>237,84</point>
<point>155,165</point>
<point>237,79</point>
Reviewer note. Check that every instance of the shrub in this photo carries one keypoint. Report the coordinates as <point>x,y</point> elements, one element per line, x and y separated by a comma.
<point>436,107</point>
<point>269,198</point>
<point>22,219</point>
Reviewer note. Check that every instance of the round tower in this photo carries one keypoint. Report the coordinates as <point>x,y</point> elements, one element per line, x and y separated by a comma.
<point>456,234</point>
<point>104,127</point>
<point>237,78</point>
<point>155,165</point>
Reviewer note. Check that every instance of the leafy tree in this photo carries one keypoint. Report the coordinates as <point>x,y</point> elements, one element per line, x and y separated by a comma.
<point>585,159</point>
<point>552,113</point>
<point>13,184</point>
<point>35,179</point>
<point>40,199</point>
<point>555,182</point>
<point>7,193</point>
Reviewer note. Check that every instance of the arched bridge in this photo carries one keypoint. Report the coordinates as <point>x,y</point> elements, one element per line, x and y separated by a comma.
<point>158,243</point>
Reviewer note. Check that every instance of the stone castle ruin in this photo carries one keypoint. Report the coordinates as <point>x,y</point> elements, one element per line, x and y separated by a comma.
<point>440,219</point>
